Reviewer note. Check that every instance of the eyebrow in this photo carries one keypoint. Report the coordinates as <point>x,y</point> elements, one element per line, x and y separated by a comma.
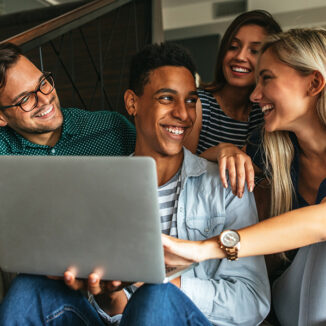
<point>24,93</point>
<point>252,43</point>
<point>263,71</point>
<point>173,91</point>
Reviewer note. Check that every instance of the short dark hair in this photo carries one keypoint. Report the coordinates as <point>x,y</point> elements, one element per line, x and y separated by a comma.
<point>9,54</point>
<point>260,18</point>
<point>154,56</point>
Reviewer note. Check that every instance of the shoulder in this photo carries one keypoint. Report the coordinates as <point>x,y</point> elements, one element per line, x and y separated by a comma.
<point>97,120</point>
<point>7,141</point>
<point>205,96</point>
<point>201,171</point>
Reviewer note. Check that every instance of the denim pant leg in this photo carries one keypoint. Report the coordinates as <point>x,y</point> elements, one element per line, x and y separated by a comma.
<point>162,304</point>
<point>37,300</point>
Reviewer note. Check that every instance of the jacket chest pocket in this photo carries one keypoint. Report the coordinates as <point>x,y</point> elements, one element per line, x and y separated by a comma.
<point>203,227</point>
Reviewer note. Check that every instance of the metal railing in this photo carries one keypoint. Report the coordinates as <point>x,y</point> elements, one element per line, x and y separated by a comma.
<point>88,50</point>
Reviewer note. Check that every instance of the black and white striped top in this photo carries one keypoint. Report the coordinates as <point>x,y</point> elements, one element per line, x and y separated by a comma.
<point>217,127</point>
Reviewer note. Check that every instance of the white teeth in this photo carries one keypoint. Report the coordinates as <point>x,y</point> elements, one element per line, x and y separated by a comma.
<point>238,69</point>
<point>175,130</point>
<point>45,112</point>
<point>267,107</point>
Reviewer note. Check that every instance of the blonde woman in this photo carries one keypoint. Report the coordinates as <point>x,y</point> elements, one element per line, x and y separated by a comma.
<point>291,151</point>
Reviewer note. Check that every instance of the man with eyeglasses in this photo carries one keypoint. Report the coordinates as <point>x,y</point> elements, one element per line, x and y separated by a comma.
<point>34,124</point>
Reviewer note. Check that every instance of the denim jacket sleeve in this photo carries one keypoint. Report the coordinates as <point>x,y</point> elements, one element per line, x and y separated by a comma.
<point>227,292</point>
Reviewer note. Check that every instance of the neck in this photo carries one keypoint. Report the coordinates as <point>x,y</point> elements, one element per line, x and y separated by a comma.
<point>312,137</point>
<point>166,166</point>
<point>48,139</point>
<point>235,101</point>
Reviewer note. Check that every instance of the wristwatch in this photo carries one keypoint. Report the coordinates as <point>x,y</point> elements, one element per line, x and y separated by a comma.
<point>229,242</point>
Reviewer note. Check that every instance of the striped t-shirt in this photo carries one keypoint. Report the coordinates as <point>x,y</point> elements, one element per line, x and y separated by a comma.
<point>168,195</point>
<point>217,127</point>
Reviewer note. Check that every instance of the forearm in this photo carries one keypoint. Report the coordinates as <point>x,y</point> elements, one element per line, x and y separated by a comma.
<point>294,229</point>
<point>112,303</point>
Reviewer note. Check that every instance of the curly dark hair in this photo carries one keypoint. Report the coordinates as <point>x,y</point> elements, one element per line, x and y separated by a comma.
<point>9,54</point>
<point>154,56</point>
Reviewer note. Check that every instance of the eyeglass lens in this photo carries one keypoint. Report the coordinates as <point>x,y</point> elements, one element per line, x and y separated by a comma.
<point>29,101</point>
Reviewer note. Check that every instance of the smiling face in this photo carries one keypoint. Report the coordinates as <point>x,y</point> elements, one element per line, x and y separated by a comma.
<point>283,94</point>
<point>240,59</point>
<point>165,112</point>
<point>45,118</point>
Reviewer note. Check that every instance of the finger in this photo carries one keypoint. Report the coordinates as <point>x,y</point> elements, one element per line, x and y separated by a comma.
<point>250,175</point>
<point>241,175</point>
<point>94,285</point>
<point>232,174</point>
<point>71,281</point>
<point>222,169</point>
<point>113,285</point>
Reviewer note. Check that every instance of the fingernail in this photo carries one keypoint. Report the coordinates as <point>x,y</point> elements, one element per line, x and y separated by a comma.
<point>68,277</point>
<point>225,185</point>
<point>251,188</point>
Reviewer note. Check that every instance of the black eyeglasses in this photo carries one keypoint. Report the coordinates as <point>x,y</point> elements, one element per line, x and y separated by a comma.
<point>29,101</point>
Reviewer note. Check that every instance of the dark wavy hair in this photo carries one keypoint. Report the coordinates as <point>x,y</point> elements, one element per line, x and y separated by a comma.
<point>9,54</point>
<point>260,18</point>
<point>154,56</point>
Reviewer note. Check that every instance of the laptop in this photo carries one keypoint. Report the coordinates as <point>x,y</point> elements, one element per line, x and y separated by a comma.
<point>85,214</point>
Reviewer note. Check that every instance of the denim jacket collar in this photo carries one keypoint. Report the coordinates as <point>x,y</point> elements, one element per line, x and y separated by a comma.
<point>192,166</point>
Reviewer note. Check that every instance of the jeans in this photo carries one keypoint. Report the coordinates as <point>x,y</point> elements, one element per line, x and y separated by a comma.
<point>37,300</point>
<point>162,304</point>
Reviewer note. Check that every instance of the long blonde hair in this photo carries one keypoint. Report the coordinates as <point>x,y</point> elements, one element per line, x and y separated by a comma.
<point>305,51</point>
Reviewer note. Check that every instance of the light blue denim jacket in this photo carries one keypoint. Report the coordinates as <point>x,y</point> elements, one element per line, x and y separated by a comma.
<point>227,292</point>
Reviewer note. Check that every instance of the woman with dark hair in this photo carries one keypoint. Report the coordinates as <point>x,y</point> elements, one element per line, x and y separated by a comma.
<point>224,112</point>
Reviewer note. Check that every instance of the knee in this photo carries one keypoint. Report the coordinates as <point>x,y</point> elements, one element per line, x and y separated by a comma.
<point>156,291</point>
<point>26,289</point>
<point>24,283</point>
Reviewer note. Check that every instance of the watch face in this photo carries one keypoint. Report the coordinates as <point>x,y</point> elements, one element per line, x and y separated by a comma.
<point>230,238</point>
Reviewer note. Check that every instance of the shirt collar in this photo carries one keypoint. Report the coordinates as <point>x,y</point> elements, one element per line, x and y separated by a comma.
<point>193,165</point>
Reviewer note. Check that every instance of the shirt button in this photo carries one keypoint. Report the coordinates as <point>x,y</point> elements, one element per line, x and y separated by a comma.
<point>52,150</point>
<point>206,230</point>
<point>180,209</point>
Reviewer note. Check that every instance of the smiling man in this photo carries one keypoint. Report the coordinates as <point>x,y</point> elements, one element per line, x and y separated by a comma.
<point>194,205</point>
<point>33,123</point>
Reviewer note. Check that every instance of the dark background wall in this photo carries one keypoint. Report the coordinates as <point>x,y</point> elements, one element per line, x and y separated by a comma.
<point>204,51</point>
<point>76,58</point>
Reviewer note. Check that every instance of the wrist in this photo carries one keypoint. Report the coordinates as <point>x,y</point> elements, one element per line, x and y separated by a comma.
<point>211,250</point>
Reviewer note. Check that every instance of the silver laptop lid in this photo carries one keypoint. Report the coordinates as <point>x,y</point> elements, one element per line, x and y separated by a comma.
<point>86,213</point>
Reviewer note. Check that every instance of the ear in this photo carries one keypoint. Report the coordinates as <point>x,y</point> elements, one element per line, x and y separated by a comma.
<point>317,83</point>
<point>3,120</point>
<point>130,102</point>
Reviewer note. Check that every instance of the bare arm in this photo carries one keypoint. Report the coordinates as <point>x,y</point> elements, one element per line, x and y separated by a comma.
<point>294,229</point>
<point>191,142</point>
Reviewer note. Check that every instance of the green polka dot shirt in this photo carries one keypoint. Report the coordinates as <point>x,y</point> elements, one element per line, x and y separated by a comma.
<point>100,133</point>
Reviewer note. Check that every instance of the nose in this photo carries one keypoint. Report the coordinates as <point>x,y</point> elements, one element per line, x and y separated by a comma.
<point>242,54</point>
<point>256,95</point>
<point>42,98</point>
<point>180,111</point>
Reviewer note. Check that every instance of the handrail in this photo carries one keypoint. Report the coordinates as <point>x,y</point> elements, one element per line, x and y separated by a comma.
<point>57,26</point>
